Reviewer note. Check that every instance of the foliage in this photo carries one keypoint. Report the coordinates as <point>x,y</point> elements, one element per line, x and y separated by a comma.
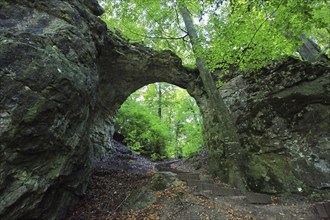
<point>154,23</point>
<point>181,113</point>
<point>145,133</point>
<point>237,33</point>
<point>250,34</point>
<point>178,133</point>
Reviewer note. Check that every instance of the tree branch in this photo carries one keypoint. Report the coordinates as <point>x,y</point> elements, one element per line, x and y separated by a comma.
<point>255,33</point>
<point>160,37</point>
<point>162,30</point>
<point>178,21</point>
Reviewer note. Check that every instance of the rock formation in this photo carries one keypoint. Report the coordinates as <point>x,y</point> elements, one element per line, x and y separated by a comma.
<point>283,116</point>
<point>123,68</point>
<point>63,77</point>
<point>48,84</point>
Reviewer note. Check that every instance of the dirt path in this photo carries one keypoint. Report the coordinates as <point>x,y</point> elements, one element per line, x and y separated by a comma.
<point>186,195</point>
<point>202,198</point>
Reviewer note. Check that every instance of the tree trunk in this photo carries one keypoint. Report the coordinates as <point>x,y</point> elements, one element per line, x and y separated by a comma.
<point>195,114</point>
<point>229,137</point>
<point>159,100</point>
<point>177,150</point>
<point>310,51</point>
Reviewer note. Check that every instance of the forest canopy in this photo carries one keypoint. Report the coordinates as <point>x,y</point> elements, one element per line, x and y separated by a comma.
<point>240,33</point>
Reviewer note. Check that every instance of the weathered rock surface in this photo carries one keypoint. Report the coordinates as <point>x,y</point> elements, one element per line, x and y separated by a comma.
<point>48,82</point>
<point>284,121</point>
<point>63,78</point>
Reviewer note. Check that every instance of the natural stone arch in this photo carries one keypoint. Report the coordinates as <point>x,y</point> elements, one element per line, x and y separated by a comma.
<point>124,68</point>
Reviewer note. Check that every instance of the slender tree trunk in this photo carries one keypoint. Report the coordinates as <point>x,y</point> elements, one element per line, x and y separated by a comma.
<point>229,137</point>
<point>176,140</point>
<point>195,115</point>
<point>159,100</point>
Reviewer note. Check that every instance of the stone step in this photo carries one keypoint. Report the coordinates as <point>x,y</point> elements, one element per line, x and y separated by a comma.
<point>323,209</point>
<point>215,189</point>
<point>327,207</point>
<point>167,169</point>
<point>258,198</point>
<point>191,182</point>
<point>222,191</point>
<point>207,178</point>
<point>187,176</point>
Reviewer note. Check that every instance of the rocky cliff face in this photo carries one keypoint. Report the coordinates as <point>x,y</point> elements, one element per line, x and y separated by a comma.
<point>63,76</point>
<point>48,82</point>
<point>283,116</point>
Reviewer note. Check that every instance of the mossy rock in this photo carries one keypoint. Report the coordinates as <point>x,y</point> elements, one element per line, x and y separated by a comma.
<point>272,173</point>
<point>160,181</point>
<point>140,199</point>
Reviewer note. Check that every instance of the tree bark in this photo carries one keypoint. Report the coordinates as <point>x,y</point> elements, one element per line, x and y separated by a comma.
<point>310,51</point>
<point>159,87</point>
<point>229,136</point>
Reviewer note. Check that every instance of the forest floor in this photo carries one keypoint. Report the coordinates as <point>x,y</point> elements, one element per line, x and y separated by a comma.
<point>130,187</point>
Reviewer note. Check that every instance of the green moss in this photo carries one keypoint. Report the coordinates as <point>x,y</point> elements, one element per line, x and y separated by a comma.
<point>140,199</point>
<point>272,173</point>
<point>257,168</point>
<point>12,132</point>
<point>9,155</point>
<point>28,181</point>
<point>57,166</point>
<point>34,110</point>
<point>235,176</point>
<point>160,182</point>
<point>54,26</point>
<point>22,175</point>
